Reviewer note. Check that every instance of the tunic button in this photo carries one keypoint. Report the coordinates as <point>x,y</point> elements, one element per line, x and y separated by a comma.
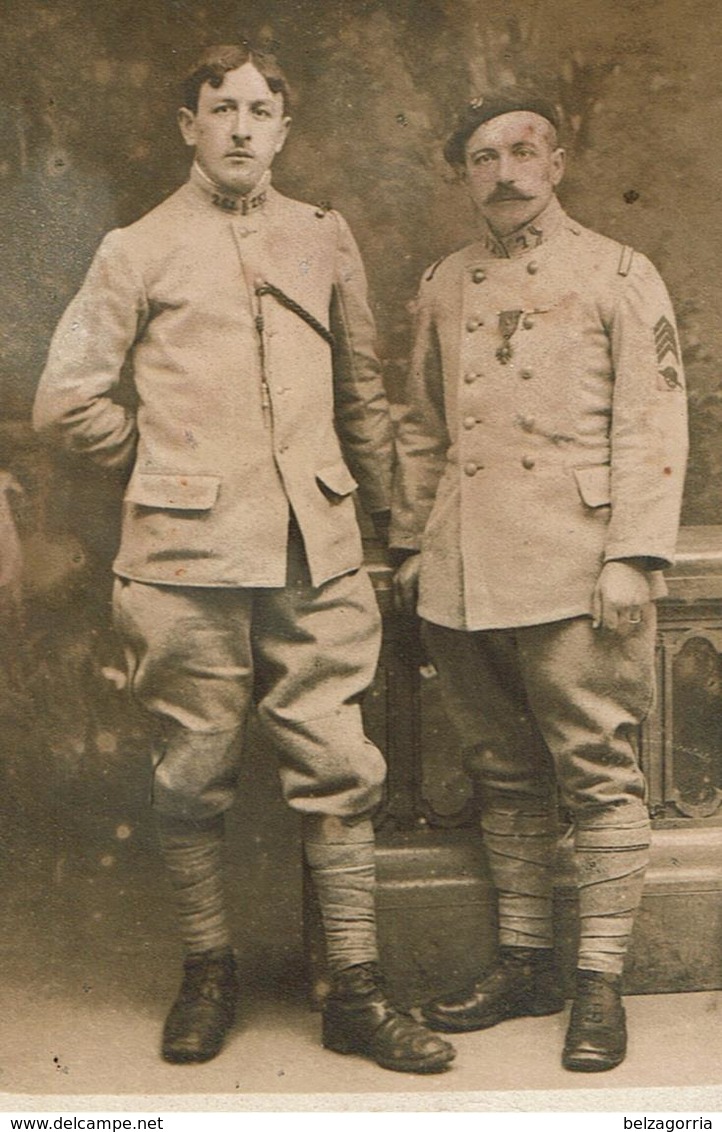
<point>528,323</point>
<point>469,422</point>
<point>471,377</point>
<point>470,469</point>
<point>473,324</point>
<point>528,462</point>
<point>478,276</point>
<point>532,267</point>
<point>526,374</point>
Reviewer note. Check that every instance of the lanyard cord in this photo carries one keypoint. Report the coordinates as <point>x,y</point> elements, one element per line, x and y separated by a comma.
<point>297,309</point>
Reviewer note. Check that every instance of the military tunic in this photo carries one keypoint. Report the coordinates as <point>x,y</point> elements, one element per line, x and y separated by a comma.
<point>546,426</point>
<point>260,408</point>
<point>245,410</point>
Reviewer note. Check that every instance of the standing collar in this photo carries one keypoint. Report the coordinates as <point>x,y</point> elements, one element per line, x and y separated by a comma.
<point>242,203</point>
<point>526,237</point>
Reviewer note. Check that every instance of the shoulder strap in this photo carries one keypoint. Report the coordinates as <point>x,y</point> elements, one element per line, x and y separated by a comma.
<point>432,270</point>
<point>625,260</point>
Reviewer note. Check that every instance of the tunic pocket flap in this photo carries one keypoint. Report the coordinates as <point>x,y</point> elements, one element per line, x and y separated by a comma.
<point>175,493</point>
<point>594,483</point>
<point>337,478</point>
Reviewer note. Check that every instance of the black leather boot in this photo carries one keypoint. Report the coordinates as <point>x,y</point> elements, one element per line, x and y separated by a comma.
<point>358,1018</point>
<point>523,981</point>
<point>204,1010</point>
<point>597,1035</point>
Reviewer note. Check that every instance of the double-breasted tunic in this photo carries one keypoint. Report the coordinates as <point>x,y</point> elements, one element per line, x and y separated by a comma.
<point>546,426</point>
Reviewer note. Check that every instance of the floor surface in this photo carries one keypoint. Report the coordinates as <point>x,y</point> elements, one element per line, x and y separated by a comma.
<point>89,965</point>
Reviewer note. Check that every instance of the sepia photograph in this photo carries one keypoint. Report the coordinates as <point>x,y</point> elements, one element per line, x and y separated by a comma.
<point>361,556</point>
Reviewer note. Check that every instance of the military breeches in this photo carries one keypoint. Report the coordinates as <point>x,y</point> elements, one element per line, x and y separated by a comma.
<point>198,658</point>
<point>545,704</point>
<point>547,707</point>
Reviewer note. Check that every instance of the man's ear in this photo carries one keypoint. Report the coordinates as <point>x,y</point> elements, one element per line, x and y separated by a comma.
<point>187,125</point>
<point>286,123</point>
<point>559,164</point>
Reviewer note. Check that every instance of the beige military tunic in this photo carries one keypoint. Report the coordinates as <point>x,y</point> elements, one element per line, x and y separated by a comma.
<point>245,409</point>
<point>546,425</point>
<point>260,408</point>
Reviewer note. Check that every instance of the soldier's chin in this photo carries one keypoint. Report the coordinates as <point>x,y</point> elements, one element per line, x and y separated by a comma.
<point>239,183</point>
<point>507,215</point>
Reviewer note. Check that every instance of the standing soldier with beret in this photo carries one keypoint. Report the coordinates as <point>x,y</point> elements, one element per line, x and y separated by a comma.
<point>244,319</point>
<point>542,460</point>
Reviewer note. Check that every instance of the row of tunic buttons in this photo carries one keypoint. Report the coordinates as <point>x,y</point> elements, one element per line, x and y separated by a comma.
<point>478,275</point>
<point>470,468</point>
<point>475,323</point>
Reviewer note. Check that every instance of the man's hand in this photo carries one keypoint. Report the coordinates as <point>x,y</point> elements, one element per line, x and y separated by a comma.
<point>406,585</point>
<point>620,597</point>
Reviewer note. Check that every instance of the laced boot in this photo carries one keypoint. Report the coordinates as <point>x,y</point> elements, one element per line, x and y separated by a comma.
<point>523,981</point>
<point>597,1035</point>
<point>358,1018</point>
<point>204,1010</point>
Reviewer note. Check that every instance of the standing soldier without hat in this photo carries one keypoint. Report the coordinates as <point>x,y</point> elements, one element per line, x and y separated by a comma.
<point>244,318</point>
<point>541,469</point>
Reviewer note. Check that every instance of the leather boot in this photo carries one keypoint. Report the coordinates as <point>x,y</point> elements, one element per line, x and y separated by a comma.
<point>597,1035</point>
<point>204,1010</point>
<point>358,1018</point>
<point>523,981</point>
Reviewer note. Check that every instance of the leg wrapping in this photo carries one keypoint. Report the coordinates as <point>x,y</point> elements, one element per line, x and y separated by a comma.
<point>611,862</point>
<point>340,855</point>
<point>521,849</point>
<point>193,855</point>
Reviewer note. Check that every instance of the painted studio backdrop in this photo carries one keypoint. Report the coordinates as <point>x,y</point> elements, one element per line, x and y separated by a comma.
<point>89,142</point>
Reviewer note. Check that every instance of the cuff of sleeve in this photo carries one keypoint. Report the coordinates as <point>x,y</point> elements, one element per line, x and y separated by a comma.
<point>643,562</point>
<point>618,552</point>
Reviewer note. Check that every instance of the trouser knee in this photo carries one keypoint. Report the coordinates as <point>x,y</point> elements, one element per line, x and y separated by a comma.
<point>194,774</point>
<point>328,768</point>
<point>506,779</point>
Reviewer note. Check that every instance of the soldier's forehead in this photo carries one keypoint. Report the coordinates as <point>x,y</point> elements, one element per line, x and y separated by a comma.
<point>244,82</point>
<point>517,125</point>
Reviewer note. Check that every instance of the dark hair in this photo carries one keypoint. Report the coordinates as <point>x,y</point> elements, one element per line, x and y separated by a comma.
<point>493,105</point>
<point>215,61</point>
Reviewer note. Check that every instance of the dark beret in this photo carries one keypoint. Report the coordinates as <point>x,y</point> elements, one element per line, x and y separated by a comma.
<point>492,105</point>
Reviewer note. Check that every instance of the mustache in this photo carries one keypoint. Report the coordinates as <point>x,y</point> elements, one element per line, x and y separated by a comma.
<point>506,192</point>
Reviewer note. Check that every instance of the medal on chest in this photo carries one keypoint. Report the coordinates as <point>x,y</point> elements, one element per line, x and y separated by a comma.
<point>508,323</point>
